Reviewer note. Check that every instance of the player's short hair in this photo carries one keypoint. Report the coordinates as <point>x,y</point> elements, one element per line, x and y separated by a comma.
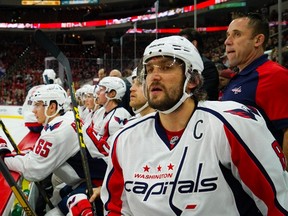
<point>258,23</point>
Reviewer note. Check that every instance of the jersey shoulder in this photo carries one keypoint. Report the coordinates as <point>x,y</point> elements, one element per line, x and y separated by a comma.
<point>230,111</point>
<point>136,126</point>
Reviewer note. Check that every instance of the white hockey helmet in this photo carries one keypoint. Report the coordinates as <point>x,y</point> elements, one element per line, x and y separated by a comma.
<point>95,92</point>
<point>88,89</point>
<point>49,76</point>
<point>134,73</point>
<point>177,47</point>
<point>50,92</point>
<point>78,93</point>
<point>114,83</point>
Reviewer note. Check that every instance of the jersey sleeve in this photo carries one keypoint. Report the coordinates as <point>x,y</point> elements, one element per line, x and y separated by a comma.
<point>271,93</point>
<point>97,138</point>
<point>50,152</point>
<point>114,184</point>
<point>257,162</point>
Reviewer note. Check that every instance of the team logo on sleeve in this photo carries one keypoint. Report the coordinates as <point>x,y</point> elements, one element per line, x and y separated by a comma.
<point>52,127</point>
<point>245,112</point>
<point>120,121</point>
<point>237,90</point>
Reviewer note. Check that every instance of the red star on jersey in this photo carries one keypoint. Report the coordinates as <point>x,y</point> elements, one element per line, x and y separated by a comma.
<point>170,166</point>
<point>159,168</point>
<point>146,168</point>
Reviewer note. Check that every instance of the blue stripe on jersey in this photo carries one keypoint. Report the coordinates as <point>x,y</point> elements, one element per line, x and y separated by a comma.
<point>97,167</point>
<point>252,156</point>
<point>161,131</point>
<point>245,204</point>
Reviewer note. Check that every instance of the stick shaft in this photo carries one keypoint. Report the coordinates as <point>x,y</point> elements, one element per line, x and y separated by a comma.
<point>20,196</point>
<point>42,39</point>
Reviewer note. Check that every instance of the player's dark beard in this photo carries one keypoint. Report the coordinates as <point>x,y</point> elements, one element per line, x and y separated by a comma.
<point>170,99</point>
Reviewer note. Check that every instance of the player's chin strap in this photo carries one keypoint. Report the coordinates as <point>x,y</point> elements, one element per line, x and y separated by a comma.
<point>51,116</point>
<point>95,103</point>
<point>108,99</point>
<point>182,99</point>
<point>136,111</point>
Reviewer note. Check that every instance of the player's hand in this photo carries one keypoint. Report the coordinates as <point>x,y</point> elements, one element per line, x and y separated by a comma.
<point>78,205</point>
<point>3,148</point>
<point>96,194</point>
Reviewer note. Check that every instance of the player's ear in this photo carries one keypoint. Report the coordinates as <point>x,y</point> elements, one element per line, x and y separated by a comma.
<point>259,40</point>
<point>195,43</point>
<point>192,83</point>
<point>52,107</point>
<point>112,94</point>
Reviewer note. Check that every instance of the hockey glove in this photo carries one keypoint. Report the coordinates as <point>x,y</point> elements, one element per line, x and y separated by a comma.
<point>79,205</point>
<point>3,148</point>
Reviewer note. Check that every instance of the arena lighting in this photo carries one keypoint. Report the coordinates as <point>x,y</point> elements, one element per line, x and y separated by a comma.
<point>42,3</point>
<point>175,30</point>
<point>55,3</point>
<point>104,23</point>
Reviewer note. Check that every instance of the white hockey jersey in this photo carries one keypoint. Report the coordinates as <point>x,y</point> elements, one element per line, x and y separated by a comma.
<point>98,132</point>
<point>226,163</point>
<point>57,143</point>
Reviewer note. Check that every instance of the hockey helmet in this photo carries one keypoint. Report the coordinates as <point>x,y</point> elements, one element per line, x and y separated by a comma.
<point>114,83</point>
<point>48,93</point>
<point>175,47</point>
<point>49,76</point>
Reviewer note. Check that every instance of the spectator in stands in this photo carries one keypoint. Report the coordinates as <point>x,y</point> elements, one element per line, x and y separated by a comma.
<point>285,58</point>
<point>260,83</point>
<point>128,74</point>
<point>115,73</point>
<point>101,75</point>
<point>210,73</point>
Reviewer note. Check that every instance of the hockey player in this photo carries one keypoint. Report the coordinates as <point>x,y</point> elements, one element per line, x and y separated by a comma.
<point>139,104</point>
<point>57,149</point>
<point>193,157</point>
<point>49,77</point>
<point>138,101</point>
<point>30,121</point>
<point>81,97</point>
<point>105,122</point>
<point>90,100</point>
<point>108,119</point>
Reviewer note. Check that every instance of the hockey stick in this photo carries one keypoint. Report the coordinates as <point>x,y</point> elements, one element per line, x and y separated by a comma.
<point>17,150</point>
<point>16,190</point>
<point>42,39</point>
<point>9,137</point>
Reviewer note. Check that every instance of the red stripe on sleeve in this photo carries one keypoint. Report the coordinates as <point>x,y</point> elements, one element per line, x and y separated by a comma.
<point>115,186</point>
<point>251,174</point>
